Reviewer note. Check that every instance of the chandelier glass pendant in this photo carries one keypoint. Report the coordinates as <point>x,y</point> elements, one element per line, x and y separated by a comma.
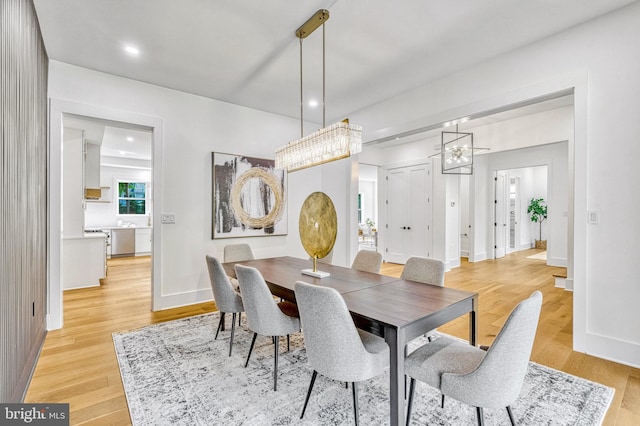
<point>337,141</point>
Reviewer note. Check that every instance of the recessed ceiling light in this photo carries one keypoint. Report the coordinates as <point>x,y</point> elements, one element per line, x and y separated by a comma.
<point>132,50</point>
<point>313,103</point>
<point>129,139</point>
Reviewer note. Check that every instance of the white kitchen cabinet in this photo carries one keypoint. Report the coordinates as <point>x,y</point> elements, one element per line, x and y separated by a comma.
<point>83,261</point>
<point>143,241</point>
<point>92,171</point>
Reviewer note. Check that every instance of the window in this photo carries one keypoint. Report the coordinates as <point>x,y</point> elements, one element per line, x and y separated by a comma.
<point>132,198</point>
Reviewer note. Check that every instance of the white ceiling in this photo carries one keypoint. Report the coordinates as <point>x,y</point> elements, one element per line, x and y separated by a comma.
<point>245,52</point>
<point>115,139</point>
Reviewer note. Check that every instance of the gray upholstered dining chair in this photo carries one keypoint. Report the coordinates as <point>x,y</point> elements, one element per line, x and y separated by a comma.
<point>335,347</point>
<point>264,315</point>
<point>491,379</point>
<point>424,270</point>
<point>227,299</point>
<point>237,252</point>
<point>368,261</point>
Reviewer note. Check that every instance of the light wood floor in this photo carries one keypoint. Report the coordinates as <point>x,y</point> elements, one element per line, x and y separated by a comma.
<point>78,363</point>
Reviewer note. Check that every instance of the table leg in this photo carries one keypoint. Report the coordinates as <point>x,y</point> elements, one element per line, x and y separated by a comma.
<point>396,375</point>
<point>473,327</point>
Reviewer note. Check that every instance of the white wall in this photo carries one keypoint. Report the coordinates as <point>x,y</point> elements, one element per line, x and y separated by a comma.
<point>193,127</point>
<point>600,62</point>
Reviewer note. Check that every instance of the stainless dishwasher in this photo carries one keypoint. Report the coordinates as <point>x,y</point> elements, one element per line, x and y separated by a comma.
<point>123,242</point>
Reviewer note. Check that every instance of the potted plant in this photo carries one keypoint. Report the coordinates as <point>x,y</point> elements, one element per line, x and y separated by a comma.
<point>538,212</point>
<point>371,224</point>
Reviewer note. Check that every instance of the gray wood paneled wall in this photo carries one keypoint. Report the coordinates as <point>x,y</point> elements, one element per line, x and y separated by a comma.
<point>23,195</point>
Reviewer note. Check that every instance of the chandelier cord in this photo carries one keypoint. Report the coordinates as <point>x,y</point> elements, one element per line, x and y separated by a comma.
<point>301,98</point>
<point>323,80</point>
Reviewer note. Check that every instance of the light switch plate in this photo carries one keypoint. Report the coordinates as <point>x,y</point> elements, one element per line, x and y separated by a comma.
<point>594,217</point>
<point>168,218</point>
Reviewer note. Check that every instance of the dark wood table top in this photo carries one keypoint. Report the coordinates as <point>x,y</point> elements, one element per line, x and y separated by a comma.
<point>389,300</point>
<point>285,271</point>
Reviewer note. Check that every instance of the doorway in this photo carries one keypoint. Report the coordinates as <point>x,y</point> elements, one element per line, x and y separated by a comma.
<point>368,217</point>
<point>513,230</point>
<point>58,110</point>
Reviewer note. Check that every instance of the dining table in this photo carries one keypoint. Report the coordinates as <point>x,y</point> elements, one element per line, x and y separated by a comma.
<point>395,309</point>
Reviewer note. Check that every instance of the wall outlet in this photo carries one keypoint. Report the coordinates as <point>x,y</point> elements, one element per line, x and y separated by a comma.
<point>168,218</point>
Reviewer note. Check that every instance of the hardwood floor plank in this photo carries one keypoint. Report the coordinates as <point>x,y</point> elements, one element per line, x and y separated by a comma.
<point>78,363</point>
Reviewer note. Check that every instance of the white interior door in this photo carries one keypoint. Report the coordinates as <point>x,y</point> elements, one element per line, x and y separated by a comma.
<point>514,214</point>
<point>418,212</point>
<point>408,213</point>
<point>500,217</point>
<point>397,189</point>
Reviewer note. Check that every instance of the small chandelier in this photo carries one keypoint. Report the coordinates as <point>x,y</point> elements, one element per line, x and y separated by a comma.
<point>457,153</point>
<point>337,141</point>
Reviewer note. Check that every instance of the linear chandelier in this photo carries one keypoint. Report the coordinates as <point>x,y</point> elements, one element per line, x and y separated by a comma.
<point>337,141</point>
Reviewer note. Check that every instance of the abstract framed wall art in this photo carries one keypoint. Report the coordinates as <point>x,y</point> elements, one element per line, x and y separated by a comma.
<point>249,197</point>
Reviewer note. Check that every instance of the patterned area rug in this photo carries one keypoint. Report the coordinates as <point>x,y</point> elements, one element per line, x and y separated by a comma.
<point>174,373</point>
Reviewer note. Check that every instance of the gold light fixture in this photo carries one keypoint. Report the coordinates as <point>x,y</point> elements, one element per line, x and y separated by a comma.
<point>337,141</point>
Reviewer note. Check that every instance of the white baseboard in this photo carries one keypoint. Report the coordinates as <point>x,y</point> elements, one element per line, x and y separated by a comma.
<point>526,246</point>
<point>479,257</point>
<point>556,261</point>
<point>561,282</point>
<point>615,350</point>
<point>568,284</point>
<point>452,264</point>
<point>176,300</point>
<point>464,253</point>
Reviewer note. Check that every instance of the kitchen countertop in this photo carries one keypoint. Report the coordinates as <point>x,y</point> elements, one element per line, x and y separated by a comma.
<point>109,228</point>
<point>87,235</point>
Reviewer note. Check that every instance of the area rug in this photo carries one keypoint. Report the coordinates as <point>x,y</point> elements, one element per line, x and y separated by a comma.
<point>175,373</point>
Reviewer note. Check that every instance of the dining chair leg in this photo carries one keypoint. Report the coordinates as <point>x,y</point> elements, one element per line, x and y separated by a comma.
<point>442,402</point>
<point>513,420</point>
<point>354,386</point>
<point>346,385</point>
<point>412,388</point>
<point>239,319</point>
<point>306,401</point>
<point>253,342</point>
<point>233,329</point>
<point>275,364</point>
<point>480,415</point>
<point>219,325</point>
<point>288,343</point>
